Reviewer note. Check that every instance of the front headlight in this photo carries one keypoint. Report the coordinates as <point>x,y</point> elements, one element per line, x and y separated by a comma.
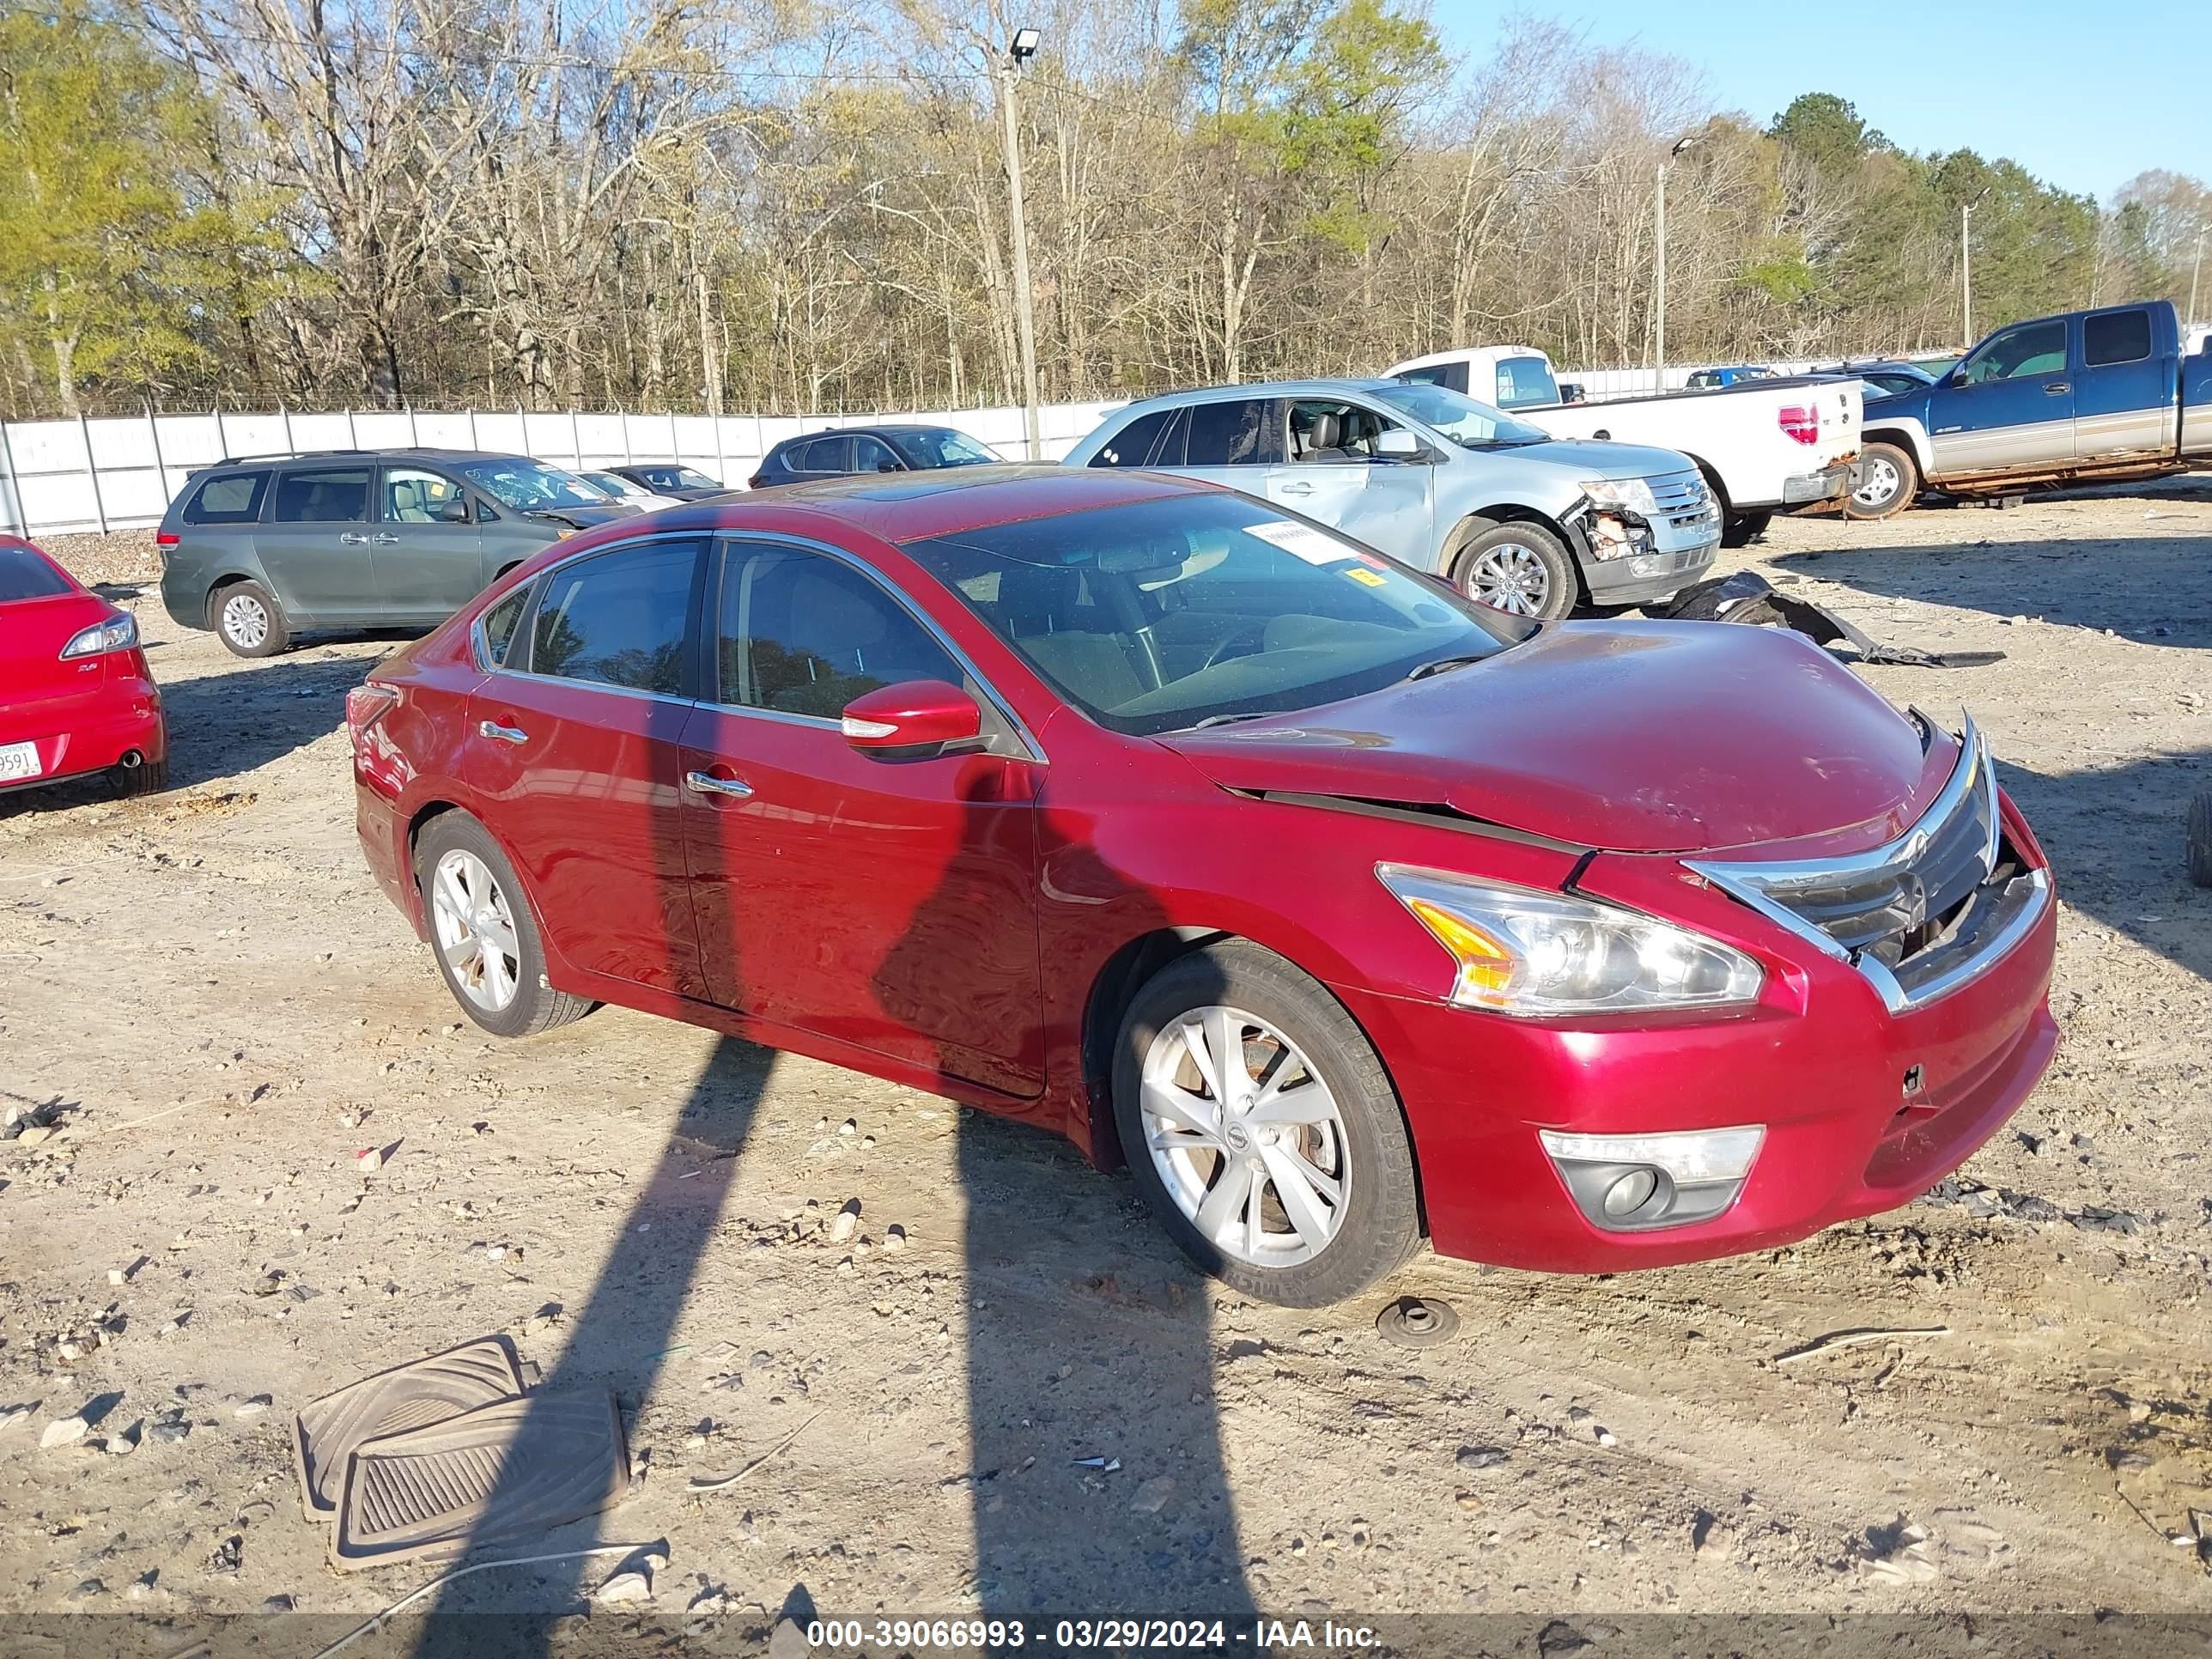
<point>117,634</point>
<point>1632,495</point>
<point>1529,953</point>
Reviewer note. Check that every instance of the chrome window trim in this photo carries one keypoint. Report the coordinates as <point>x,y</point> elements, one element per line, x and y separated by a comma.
<point>1753,882</point>
<point>952,649</point>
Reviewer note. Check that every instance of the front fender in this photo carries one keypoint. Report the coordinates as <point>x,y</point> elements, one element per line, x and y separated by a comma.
<point>1910,431</point>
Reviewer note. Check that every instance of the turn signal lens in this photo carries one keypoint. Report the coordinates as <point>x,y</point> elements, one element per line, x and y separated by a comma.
<point>1482,960</point>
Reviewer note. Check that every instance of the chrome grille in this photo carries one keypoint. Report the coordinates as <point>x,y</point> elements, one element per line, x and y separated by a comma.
<point>1921,915</point>
<point>1681,498</point>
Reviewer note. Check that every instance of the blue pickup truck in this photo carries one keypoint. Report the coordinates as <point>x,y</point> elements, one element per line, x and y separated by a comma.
<point>2104,394</point>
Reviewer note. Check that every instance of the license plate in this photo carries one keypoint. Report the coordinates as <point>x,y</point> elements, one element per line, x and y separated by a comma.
<point>18,761</point>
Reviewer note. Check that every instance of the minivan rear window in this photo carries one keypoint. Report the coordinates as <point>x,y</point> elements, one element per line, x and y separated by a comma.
<point>233,498</point>
<point>25,575</point>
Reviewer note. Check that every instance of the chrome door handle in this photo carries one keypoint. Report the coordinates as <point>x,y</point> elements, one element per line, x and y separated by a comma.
<point>1297,489</point>
<point>385,539</point>
<point>501,733</point>
<point>706,783</point>
<point>351,539</point>
<point>2055,388</point>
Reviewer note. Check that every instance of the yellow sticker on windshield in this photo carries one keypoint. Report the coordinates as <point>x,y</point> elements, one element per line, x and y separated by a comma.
<point>1367,579</point>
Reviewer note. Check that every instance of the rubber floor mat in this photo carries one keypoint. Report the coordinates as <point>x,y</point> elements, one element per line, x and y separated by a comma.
<point>517,1467</point>
<point>410,1397</point>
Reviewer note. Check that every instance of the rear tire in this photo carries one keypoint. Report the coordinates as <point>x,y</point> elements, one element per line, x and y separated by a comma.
<point>1270,1231</point>
<point>485,936</point>
<point>246,618</point>
<point>1521,569</point>
<point>1741,529</point>
<point>147,778</point>
<point>1888,480</point>
<point>2200,840</point>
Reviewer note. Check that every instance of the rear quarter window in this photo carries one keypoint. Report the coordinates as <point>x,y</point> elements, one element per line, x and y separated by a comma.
<point>233,498</point>
<point>2119,337</point>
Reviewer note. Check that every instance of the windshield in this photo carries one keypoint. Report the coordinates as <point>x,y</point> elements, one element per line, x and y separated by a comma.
<point>939,447</point>
<point>1161,615</point>
<point>676,477</point>
<point>615,486</point>
<point>532,486</point>
<point>1467,423</point>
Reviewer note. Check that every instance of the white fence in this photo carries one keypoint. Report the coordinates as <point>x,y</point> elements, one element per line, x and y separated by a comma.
<point>102,474</point>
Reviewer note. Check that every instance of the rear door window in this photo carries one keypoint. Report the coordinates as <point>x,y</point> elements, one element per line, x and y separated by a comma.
<point>831,455</point>
<point>1241,432</point>
<point>326,496</point>
<point>1450,376</point>
<point>618,617</point>
<point>234,498</point>
<point>2118,336</point>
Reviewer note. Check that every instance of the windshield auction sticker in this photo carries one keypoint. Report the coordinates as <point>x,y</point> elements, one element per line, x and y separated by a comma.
<point>1302,541</point>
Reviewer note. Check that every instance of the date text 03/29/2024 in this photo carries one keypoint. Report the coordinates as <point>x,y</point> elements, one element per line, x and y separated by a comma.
<point>1203,1635</point>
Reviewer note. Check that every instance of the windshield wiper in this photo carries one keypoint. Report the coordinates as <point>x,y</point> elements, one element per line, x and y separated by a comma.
<point>1224,720</point>
<point>1442,665</point>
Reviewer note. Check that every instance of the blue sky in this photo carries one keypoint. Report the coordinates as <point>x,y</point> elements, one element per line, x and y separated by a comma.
<point>2084,96</point>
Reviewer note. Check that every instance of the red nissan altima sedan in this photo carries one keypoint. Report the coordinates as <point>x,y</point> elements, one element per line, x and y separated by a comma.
<point>76,694</point>
<point>1343,911</point>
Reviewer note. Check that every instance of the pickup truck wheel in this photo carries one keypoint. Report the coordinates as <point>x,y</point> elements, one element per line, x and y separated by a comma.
<point>1740,529</point>
<point>1519,568</point>
<point>2200,840</point>
<point>1888,480</point>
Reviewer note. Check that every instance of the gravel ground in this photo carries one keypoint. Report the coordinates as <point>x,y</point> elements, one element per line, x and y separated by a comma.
<point>217,1011</point>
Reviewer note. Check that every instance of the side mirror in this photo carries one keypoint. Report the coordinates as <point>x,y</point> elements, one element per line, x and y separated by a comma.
<point>454,509</point>
<point>1399,444</point>
<point>912,714</point>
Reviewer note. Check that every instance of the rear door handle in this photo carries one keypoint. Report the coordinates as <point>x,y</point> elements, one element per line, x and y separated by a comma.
<point>2055,388</point>
<point>706,783</point>
<point>500,733</point>
<point>383,538</point>
<point>1297,489</point>
<point>353,539</point>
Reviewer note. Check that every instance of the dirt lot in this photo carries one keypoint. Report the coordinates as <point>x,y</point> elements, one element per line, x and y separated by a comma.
<point>226,1009</point>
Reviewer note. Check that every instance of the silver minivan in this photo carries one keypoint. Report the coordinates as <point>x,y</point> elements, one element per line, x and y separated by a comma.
<point>1515,518</point>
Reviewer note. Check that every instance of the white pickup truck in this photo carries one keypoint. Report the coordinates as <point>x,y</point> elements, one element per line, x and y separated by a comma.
<point>1762,445</point>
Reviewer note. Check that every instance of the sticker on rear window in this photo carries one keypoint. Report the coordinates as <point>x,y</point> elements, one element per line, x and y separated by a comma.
<point>1301,541</point>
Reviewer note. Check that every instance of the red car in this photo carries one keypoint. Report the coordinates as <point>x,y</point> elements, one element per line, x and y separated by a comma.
<point>76,694</point>
<point>1345,911</point>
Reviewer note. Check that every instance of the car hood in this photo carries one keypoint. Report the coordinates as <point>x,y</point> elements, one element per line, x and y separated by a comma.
<point>1594,458</point>
<point>1643,737</point>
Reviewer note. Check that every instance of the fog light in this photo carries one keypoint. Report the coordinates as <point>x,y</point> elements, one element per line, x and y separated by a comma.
<point>1645,565</point>
<point>1627,1196</point>
<point>1630,1182</point>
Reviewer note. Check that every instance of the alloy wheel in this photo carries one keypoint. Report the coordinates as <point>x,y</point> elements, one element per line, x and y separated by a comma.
<point>476,930</point>
<point>1509,577</point>
<point>244,621</point>
<point>1247,1139</point>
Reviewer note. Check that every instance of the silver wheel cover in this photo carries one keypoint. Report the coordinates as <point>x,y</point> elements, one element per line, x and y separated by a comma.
<point>1246,1136</point>
<point>475,930</point>
<point>1879,484</point>
<point>1509,577</point>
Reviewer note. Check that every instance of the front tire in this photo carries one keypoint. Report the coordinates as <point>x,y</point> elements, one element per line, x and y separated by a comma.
<point>1888,480</point>
<point>1522,568</point>
<point>2200,840</point>
<point>1741,529</point>
<point>247,618</point>
<point>490,950</point>
<point>1262,1128</point>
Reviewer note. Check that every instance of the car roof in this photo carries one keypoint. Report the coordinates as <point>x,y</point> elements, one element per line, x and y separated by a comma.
<point>878,430</point>
<point>1214,394</point>
<point>907,506</point>
<point>323,457</point>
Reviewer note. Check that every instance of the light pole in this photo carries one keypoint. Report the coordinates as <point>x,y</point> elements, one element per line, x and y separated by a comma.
<point>1659,317</point>
<point>2195,270</point>
<point>1018,51</point>
<point>1966,265</point>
